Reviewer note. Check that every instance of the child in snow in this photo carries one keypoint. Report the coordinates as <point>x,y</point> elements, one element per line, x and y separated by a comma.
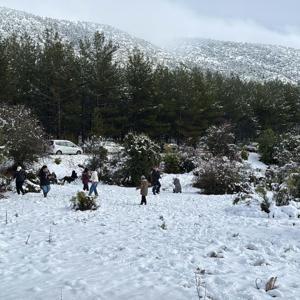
<point>95,181</point>
<point>85,177</point>
<point>44,176</point>
<point>20,176</point>
<point>177,185</point>
<point>144,189</point>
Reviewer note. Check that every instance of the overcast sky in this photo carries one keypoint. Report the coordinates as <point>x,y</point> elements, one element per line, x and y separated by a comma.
<point>262,21</point>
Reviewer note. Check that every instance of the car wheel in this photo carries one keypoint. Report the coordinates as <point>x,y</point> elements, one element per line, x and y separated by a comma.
<point>58,152</point>
<point>78,152</point>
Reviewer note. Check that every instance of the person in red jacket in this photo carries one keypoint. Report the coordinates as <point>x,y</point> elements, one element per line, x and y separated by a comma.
<point>85,177</point>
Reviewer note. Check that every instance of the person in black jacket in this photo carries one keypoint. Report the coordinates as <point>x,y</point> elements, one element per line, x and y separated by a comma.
<point>44,176</point>
<point>155,176</point>
<point>20,177</point>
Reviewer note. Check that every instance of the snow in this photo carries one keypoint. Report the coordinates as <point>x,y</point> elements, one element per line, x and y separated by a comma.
<point>258,167</point>
<point>120,251</point>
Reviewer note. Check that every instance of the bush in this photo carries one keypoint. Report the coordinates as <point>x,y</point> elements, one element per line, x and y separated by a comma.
<point>221,176</point>
<point>220,141</point>
<point>244,154</point>
<point>57,160</point>
<point>23,136</point>
<point>98,154</point>
<point>287,150</point>
<point>172,163</point>
<point>141,155</point>
<point>83,202</point>
<point>266,143</point>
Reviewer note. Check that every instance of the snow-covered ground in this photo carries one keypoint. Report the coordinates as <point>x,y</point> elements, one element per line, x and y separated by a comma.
<point>120,251</point>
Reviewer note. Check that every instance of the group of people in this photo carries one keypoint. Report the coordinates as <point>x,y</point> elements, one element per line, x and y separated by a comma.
<point>91,177</point>
<point>46,178</point>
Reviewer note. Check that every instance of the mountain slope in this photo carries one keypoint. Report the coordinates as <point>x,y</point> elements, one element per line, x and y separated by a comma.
<point>249,61</point>
<point>18,22</point>
<point>264,62</point>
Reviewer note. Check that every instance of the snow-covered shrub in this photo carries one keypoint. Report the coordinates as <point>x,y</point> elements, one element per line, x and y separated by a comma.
<point>244,154</point>
<point>266,143</point>
<point>219,141</point>
<point>265,203</point>
<point>287,150</point>
<point>22,134</point>
<point>98,153</point>
<point>221,175</point>
<point>288,190</point>
<point>142,155</point>
<point>83,202</point>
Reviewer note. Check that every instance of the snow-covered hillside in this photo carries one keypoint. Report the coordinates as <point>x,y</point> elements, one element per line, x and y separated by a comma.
<point>18,22</point>
<point>250,61</point>
<point>122,251</point>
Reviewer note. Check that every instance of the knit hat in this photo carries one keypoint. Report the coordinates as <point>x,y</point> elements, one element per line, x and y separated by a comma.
<point>143,177</point>
<point>19,168</point>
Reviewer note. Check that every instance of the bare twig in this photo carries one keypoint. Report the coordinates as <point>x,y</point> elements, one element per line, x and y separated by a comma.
<point>27,240</point>
<point>50,236</point>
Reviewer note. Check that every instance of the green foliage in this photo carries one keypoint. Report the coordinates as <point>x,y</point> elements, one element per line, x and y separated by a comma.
<point>220,141</point>
<point>287,149</point>
<point>88,92</point>
<point>57,160</point>
<point>244,154</point>
<point>142,155</point>
<point>172,163</point>
<point>266,143</point>
<point>83,202</point>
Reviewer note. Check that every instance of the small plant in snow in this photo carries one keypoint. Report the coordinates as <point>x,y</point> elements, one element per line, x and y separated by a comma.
<point>163,226</point>
<point>266,202</point>
<point>244,154</point>
<point>83,202</point>
<point>57,160</point>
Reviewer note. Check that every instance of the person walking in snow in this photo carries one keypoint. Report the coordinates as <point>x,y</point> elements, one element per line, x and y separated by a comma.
<point>177,185</point>
<point>155,176</point>
<point>144,189</point>
<point>20,177</point>
<point>44,176</point>
<point>85,177</point>
<point>95,181</point>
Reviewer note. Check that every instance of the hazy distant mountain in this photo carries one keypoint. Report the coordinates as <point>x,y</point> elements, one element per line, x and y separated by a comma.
<point>250,61</point>
<point>263,62</point>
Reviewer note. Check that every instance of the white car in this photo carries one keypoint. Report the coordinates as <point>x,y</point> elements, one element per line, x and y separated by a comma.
<point>64,147</point>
